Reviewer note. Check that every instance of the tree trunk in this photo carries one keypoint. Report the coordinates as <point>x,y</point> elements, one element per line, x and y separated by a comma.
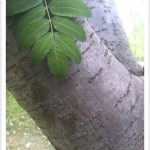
<point>99,106</point>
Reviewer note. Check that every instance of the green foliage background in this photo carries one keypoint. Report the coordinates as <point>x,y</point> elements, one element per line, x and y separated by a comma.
<point>22,133</point>
<point>132,15</point>
<point>136,38</point>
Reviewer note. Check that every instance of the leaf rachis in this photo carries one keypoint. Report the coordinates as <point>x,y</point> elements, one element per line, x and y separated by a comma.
<point>49,17</point>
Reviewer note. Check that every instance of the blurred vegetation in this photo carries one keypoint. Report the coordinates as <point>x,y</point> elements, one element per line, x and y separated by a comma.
<point>136,37</point>
<point>22,133</point>
<point>132,14</point>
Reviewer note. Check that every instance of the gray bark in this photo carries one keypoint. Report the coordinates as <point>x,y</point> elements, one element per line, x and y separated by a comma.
<point>99,106</point>
<point>107,24</point>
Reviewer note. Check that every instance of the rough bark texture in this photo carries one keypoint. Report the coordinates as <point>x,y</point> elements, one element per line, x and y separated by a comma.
<point>99,106</point>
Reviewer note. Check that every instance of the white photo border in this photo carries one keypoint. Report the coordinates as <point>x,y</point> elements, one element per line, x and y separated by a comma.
<point>147,77</point>
<point>2,75</point>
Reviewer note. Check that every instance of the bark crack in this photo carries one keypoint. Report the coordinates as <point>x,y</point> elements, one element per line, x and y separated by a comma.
<point>14,65</point>
<point>91,80</point>
<point>73,74</point>
<point>32,76</point>
<point>130,125</point>
<point>88,48</point>
<point>134,105</point>
<point>125,94</point>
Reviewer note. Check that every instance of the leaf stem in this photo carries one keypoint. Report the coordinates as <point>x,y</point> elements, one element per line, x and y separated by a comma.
<point>49,17</point>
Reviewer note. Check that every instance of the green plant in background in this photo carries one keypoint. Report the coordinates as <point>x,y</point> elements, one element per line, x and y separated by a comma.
<point>136,37</point>
<point>22,133</point>
<point>133,22</point>
<point>137,44</point>
<point>45,26</point>
<point>136,32</point>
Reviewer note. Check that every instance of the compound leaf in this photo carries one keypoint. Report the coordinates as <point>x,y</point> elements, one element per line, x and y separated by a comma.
<point>70,8</point>
<point>69,47</point>
<point>18,6</point>
<point>29,16</point>
<point>52,38</point>
<point>42,47</point>
<point>32,33</point>
<point>68,27</point>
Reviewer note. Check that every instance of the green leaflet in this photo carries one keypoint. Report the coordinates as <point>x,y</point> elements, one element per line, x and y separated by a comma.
<point>42,47</point>
<point>30,16</point>
<point>69,47</point>
<point>18,6</point>
<point>68,27</point>
<point>70,8</point>
<point>57,62</point>
<point>32,33</point>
